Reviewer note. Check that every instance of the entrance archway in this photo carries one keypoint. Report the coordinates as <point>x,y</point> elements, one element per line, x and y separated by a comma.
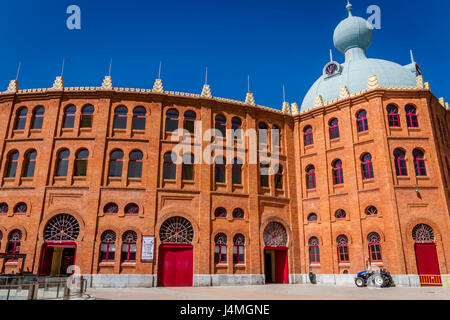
<point>59,249</point>
<point>275,253</point>
<point>426,256</point>
<point>175,260</point>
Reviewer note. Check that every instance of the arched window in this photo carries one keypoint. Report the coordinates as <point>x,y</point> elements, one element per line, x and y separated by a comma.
<point>371,211</point>
<point>116,163</point>
<point>139,114</point>
<point>38,118</point>
<point>221,124</point>
<point>188,167</point>
<point>310,177</point>
<point>81,161</point>
<point>63,163</point>
<point>411,117</point>
<point>20,208</point>
<point>314,253</point>
<point>276,133</point>
<point>312,217</point>
<point>30,164</point>
<point>11,169</point>
<point>171,120</point>
<point>237,171</point>
<point>238,213</point>
<point>86,116</point>
<point>419,163</point>
<point>367,166</point>
<point>334,129</point>
<point>340,214</point>
<point>21,118</point>
<point>169,166</point>
<point>374,247</point>
<point>236,126</point>
<point>4,208</point>
<point>220,248</point>
<point>220,213</point>
<point>238,249</point>
<point>264,174</point>
<point>135,164</point>
<point>393,117</point>
<point>262,126</point>
<point>189,121</point>
<point>120,117</point>
<point>132,209</point>
<point>308,136</point>
<point>279,177</point>
<point>111,208</point>
<point>219,170</point>
<point>69,116</point>
<point>361,121</point>
<point>14,239</point>
<point>342,247</point>
<point>129,239</point>
<point>423,233</point>
<point>400,163</point>
<point>338,173</point>
<point>108,246</point>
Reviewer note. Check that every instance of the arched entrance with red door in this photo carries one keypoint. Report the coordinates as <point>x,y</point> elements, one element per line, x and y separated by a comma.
<point>275,253</point>
<point>426,256</point>
<point>175,260</point>
<point>59,249</point>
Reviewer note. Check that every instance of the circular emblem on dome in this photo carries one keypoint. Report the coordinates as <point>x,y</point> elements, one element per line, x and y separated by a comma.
<point>331,69</point>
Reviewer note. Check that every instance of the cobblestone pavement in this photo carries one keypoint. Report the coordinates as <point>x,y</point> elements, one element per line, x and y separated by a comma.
<point>272,292</point>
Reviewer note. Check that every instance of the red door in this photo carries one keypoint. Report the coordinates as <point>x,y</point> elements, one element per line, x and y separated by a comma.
<point>175,266</point>
<point>46,260</point>
<point>428,264</point>
<point>281,267</point>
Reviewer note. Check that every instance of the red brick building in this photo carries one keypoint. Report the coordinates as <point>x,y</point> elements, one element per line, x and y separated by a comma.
<point>364,179</point>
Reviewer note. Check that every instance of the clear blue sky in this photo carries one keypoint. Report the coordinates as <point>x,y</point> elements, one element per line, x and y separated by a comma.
<point>276,42</point>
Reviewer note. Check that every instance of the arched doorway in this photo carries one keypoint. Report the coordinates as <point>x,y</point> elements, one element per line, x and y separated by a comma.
<point>275,253</point>
<point>426,256</point>
<point>59,249</point>
<point>175,260</point>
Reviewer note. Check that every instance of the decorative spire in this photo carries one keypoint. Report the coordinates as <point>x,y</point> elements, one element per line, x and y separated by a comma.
<point>206,92</point>
<point>107,83</point>
<point>158,86</point>
<point>412,56</point>
<point>13,86</point>
<point>349,8</point>
<point>442,101</point>
<point>318,102</point>
<point>294,109</point>
<point>286,108</point>
<point>249,99</point>
<point>372,82</point>
<point>58,84</point>
<point>344,93</point>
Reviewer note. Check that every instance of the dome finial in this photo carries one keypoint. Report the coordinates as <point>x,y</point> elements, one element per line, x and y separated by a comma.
<point>349,8</point>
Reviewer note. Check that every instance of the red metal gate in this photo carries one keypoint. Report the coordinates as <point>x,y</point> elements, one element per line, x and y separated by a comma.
<point>428,265</point>
<point>175,265</point>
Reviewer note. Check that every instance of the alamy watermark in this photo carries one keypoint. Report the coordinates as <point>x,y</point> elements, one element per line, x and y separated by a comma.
<point>73,22</point>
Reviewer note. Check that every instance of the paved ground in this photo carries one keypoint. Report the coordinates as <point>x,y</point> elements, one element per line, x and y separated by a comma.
<point>273,292</point>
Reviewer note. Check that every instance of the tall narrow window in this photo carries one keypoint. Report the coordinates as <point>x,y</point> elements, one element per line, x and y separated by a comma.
<point>116,163</point>
<point>314,253</point>
<point>276,133</point>
<point>374,247</point>
<point>308,135</point>
<point>135,164</point>
<point>108,246</point>
<point>81,161</point>
<point>342,246</point>
<point>221,124</point>
<point>419,163</point>
<point>169,166</point>
<point>63,163</point>
<point>310,177</point>
<point>393,117</point>
<point>171,120</point>
<point>139,115</point>
<point>120,117</point>
<point>411,117</point>
<point>129,239</point>
<point>219,170</point>
<point>11,168</point>
<point>236,126</point>
<point>220,249</point>
<point>21,118</point>
<point>237,171</point>
<point>262,132</point>
<point>238,249</point>
<point>38,118</point>
<point>188,167</point>
<point>264,174</point>
<point>279,177</point>
<point>30,164</point>
<point>338,174</point>
<point>362,124</point>
<point>86,116</point>
<point>189,121</point>
<point>400,163</point>
<point>367,166</point>
<point>334,129</point>
<point>69,116</point>
<point>14,239</point>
